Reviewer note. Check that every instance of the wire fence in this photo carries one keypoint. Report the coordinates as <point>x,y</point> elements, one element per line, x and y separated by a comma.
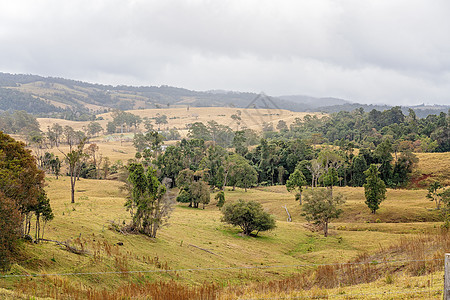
<point>323,294</point>
<point>373,262</point>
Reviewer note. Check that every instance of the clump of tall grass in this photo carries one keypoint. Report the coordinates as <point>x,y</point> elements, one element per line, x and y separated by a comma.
<point>60,288</point>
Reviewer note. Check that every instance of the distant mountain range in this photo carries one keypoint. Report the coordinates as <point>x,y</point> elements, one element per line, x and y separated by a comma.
<point>58,96</point>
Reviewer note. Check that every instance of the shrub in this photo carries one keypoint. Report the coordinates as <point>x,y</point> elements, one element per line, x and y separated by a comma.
<point>249,216</point>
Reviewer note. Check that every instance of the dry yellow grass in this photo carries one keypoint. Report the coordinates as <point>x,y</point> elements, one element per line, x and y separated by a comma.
<point>183,243</point>
<point>392,287</point>
<point>115,149</point>
<point>251,118</point>
<point>434,166</point>
<point>179,118</point>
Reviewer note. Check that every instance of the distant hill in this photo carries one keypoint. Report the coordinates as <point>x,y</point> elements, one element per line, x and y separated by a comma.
<point>314,102</point>
<point>49,94</point>
<point>71,99</point>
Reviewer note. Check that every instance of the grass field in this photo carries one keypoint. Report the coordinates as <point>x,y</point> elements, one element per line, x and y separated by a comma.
<point>213,257</point>
<point>180,117</point>
<point>197,239</point>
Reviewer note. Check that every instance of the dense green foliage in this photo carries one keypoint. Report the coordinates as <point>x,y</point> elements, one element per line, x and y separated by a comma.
<point>21,194</point>
<point>249,216</point>
<point>10,221</point>
<point>368,130</point>
<point>374,188</point>
<point>11,100</point>
<point>193,189</point>
<point>146,200</point>
<point>19,122</point>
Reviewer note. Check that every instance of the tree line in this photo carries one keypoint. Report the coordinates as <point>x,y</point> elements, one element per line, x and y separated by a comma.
<point>369,129</point>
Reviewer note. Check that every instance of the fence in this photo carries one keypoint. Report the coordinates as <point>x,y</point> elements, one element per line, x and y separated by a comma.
<point>430,291</point>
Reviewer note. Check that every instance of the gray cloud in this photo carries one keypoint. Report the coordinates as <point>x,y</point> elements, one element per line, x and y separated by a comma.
<point>366,51</point>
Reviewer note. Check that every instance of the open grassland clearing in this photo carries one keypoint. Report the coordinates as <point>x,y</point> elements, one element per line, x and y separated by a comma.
<point>432,167</point>
<point>179,118</point>
<point>114,149</point>
<point>197,239</point>
<point>251,118</point>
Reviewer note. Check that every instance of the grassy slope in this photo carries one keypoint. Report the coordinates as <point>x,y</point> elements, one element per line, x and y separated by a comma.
<point>179,117</point>
<point>433,166</point>
<point>178,244</point>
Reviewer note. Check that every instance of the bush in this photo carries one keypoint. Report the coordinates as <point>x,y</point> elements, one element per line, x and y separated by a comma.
<point>220,197</point>
<point>249,216</point>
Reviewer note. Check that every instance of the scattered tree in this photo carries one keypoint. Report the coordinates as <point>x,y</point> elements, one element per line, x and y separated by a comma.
<point>295,183</point>
<point>21,184</point>
<point>43,212</point>
<point>237,118</point>
<point>320,206</point>
<point>73,158</point>
<point>160,119</point>
<point>240,172</point>
<point>220,197</point>
<point>94,128</point>
<point>147,202</point>
<point>249,216</point>
<point>374,188</point>
<point>434,193</point>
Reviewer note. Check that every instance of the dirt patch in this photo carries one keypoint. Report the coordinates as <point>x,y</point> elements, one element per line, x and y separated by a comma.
<point>420,182</point>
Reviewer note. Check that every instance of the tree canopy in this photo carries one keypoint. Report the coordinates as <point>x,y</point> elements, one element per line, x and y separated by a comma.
<point>321,206</point>
<point>374,188</point>
<point>249,216</point>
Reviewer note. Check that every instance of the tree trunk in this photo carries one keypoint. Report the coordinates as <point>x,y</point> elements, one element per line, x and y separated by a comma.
<point>43,229</point>
<point>72,187</point>
<point>38,227</point>
<point>225,181</point>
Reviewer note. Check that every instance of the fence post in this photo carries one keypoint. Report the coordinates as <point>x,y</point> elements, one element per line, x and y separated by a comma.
<point>447,277</point>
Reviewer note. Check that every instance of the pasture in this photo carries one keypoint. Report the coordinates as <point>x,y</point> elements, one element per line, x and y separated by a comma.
<point>196,240</point>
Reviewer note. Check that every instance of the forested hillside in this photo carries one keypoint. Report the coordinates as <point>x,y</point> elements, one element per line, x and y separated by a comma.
<point>77,100</point>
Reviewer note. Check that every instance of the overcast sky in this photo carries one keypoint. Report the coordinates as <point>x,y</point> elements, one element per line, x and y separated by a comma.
<point>380,51</point>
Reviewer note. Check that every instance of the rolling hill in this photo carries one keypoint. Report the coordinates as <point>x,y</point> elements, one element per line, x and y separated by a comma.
<point>77,100</point>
